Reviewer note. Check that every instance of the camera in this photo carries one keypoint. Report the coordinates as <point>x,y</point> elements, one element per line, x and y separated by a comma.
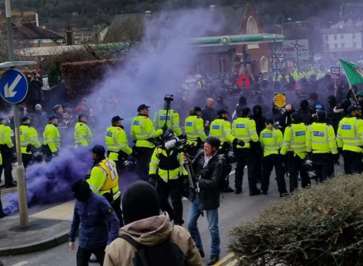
<point>169,98</point>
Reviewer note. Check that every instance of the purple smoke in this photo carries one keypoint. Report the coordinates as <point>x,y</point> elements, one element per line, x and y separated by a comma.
<point>51,182</point>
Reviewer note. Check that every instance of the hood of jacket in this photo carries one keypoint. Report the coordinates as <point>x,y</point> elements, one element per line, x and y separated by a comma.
<point>150,231</point>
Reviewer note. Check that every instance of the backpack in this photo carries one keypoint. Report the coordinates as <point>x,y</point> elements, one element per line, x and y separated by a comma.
<point>166,253</point>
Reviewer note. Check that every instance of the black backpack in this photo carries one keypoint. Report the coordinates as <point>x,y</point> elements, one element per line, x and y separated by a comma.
<point>166,253</point>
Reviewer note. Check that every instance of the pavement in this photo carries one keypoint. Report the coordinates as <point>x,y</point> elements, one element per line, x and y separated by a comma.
<point>49,225</point>
<point>46,229</point>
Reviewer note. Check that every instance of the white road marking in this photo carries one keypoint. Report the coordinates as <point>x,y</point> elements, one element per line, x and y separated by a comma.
<point>22,263</point>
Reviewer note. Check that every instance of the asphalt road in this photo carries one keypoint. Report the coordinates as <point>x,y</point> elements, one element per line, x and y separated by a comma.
<point>234,210</point>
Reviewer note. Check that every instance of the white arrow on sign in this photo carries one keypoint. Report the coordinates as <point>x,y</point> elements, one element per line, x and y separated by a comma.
<point>9,91</point>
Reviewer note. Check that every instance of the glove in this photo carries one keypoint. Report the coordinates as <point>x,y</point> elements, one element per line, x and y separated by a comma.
<point>238,142</point>
<point>153,180</point>
<point>29,148</point>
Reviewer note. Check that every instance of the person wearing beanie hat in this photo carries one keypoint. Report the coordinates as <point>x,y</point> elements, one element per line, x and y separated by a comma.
<point>52,138</point>
<point>117,143</point>
<point>144,135</point>
<point>29,140</point>
<point>149,236</point>
<point>194,130</point>
<point>95,228</point>
<point>208,169</point>
<point>82,132</point>
<point>104,179</point>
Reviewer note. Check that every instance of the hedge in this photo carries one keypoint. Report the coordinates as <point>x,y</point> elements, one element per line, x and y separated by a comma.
<point>322,225</point>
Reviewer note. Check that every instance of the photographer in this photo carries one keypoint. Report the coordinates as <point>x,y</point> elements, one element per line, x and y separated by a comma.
<point>207,167</point>
<point>166,171</point>
<point>168,118</point>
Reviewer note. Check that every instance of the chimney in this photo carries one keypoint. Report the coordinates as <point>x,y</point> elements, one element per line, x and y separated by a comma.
<point>37,19</point>
<point>69,35</point>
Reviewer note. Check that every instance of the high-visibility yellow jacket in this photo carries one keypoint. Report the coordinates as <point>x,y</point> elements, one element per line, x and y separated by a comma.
<point>116,141</point>
<point>350,134</point>
<point>82,134</point>
<point>168,119</point>
<point>271,141</point>
<point>52,137</point>
<point>28,136</point>
<point>143,131</point>
<point>6,134</point>
<point>320,138</point>
<point>104,179</point>
<point>168,165</point>
<point>221,129</point>
<point>295,140</point>
<point>244,128</point>
<point>194,129</point>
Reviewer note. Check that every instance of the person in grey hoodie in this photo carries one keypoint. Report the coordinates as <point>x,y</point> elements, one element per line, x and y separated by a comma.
<point>148,237</point>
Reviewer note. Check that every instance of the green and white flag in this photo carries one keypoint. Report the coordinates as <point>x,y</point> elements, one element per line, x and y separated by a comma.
<point>353,72</point>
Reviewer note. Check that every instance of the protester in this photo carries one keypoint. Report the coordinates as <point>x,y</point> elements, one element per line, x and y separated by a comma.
<point>149,238</point>
<point>208,171</point>
<point>96,222</point>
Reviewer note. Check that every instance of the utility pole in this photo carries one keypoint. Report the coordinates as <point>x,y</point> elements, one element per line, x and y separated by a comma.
<point>19,170</point>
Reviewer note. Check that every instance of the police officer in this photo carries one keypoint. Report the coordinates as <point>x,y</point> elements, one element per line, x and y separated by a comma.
<point>29,140</point>
<point>104,179</point>
<point>166,171</point>
<point>321,143</point>
<point>168,118</point>
<point>350,140</point>
<point>82,132</point>
<point>144,135</point>
<point>271,141</point>
<point>51,138</point>
<point>117,143</point>
<point>221,129</point>
<point>194,130</point>
<point>6,151</point>
<point>294,147</point>
<point>244,129</point>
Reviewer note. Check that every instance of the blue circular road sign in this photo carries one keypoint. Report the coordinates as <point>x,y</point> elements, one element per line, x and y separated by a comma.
<point>13,86</point>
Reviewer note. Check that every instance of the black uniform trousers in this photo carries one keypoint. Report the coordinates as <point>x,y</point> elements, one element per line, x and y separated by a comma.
<point>268,163</point>
<point>143,157</point>
<point>243,158</point>
<point>84,254</point>
<point>27,159</point>
<point>116,206</point>
<point>322,165</point>
<point>352,162</point>
<point>7,157</point>
<point>172,188</point>
<point>296,166</point>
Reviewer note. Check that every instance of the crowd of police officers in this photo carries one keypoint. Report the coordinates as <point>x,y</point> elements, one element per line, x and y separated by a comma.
<point>299,151</point>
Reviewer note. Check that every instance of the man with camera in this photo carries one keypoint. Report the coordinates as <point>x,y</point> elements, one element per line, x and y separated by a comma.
<point>208,170</point>
<point>165,172</point>
<point>168,118</point>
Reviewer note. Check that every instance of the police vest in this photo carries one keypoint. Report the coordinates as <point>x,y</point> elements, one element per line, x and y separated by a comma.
<point>348,134</point>
<point>111,182</point>
<point>241,130</point>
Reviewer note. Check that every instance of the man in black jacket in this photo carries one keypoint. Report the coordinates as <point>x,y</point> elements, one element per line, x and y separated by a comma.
<point>207,167</point>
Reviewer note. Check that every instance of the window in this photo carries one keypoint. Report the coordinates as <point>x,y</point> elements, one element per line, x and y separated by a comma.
<point>353,36</point>
<point>341,36</point>
<point>335,37</point>
<point>354,45</point>
<point>336,45</point>
<point>342,45</point>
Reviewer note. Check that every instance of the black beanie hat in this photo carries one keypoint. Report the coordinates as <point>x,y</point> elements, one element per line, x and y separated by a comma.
<point>140,201</point>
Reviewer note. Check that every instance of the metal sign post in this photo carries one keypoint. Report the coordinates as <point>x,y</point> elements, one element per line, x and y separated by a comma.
<point>13,89</point>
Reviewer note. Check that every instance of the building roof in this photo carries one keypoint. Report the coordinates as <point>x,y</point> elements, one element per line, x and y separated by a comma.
<point>30,31</point>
